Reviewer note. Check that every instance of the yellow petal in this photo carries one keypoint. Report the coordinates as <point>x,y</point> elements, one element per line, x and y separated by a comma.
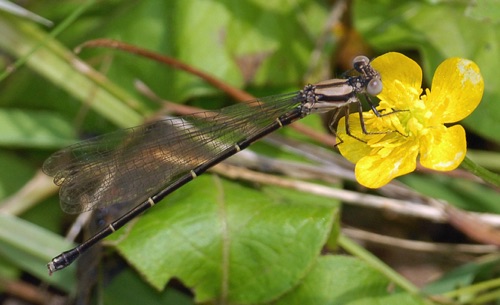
<point>444,149</point>
<point>375,171</point>
<point>401,79</point>
<point>457,89</point>
<point>351,148</point>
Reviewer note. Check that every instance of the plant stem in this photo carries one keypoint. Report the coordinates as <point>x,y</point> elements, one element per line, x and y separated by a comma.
<point>353,248</point>
<point>481,172</point>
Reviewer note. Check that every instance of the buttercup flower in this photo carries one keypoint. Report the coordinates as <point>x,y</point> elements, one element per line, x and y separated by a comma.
<point>412,124</point>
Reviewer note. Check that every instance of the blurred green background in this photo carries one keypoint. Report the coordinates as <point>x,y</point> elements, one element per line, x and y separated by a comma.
<point>277,236</point>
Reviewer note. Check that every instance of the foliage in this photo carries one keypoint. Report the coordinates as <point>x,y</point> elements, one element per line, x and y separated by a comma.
<point>228,242</point>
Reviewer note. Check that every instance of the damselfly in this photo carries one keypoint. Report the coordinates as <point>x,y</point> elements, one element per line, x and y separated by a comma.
<point>142,165</point>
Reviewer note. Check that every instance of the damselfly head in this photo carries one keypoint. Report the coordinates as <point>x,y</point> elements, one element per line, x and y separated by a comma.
<point>370,77</point>
<point>359,62</point>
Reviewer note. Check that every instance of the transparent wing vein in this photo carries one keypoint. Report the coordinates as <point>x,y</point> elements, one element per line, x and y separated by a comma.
<point>130,165</point>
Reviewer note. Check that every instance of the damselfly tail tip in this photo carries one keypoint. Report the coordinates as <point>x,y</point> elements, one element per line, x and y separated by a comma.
<point>63,260</point>
<point>56,265</point>
<point>51,268</point>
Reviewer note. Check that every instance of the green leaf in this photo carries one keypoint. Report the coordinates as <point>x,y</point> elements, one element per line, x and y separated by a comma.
<point>256,42</point>
<point>465,275</point>
<point>229,242</point>
<point>345,280</point>
<point>129,288</point>
<point>36,129</point>
<point>20,11</point>
<point>485,10</point>
<point>18,171</point>
<point>31,247</point>
<point>462,193</point>
<point>68,72</point>
<point>439,31</point>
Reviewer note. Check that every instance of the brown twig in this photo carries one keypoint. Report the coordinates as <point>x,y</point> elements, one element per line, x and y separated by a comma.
<point>30,293</point>
<point>420,246</point>
<point>400,207</point>
<point>169,61</point>
<point>234,92</point>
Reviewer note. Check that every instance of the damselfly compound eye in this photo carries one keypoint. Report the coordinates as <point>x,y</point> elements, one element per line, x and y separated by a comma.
<point>374,86</point>
<point>360,62</point>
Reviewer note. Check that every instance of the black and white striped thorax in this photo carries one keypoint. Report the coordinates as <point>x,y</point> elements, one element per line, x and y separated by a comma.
<point>337,93</point>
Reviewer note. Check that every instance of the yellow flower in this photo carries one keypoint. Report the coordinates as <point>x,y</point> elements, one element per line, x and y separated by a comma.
<point>413,124</point>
